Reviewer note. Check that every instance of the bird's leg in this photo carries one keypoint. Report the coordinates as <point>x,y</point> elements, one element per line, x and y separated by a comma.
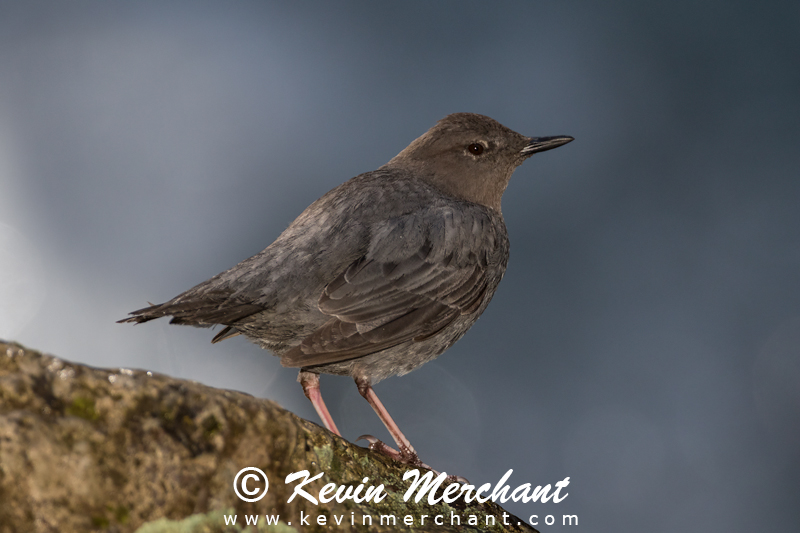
<point>407,454</point>
<point>310,383</point>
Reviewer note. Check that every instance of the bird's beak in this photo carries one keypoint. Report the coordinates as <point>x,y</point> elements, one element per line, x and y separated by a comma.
<point>542,144</point>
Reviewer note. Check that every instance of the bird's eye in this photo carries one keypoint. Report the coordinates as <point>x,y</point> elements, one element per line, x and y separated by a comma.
<point>475,148</point>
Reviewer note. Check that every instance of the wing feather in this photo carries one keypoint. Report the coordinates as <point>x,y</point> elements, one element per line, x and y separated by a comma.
<point>411,284</point>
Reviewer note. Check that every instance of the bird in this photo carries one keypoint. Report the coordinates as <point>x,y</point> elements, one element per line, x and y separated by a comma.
<point>380,275</point>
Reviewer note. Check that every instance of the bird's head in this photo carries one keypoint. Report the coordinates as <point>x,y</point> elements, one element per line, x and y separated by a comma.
<point>471,156</point>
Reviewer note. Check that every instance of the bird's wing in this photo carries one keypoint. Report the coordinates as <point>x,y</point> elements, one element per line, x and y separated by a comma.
<point>422,271</point>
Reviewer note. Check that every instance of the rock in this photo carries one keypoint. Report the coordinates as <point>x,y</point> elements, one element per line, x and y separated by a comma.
<point>86,449</point>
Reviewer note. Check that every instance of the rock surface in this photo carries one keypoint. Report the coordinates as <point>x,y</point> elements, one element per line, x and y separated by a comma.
<point>85,449</point>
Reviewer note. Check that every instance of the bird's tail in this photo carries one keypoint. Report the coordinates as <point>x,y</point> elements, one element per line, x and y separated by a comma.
<point>201,312</point>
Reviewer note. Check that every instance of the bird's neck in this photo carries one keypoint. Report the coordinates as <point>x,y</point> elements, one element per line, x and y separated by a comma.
<point>452,184</point>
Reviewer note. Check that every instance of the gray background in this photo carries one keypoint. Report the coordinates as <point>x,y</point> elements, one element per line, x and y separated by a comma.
<point>645,339</point>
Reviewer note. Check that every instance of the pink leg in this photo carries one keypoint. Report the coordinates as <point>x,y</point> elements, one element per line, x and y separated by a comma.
<point>407,453</point>
<point>310,383</point>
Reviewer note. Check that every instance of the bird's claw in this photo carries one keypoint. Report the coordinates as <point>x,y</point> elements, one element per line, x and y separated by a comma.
<point>376,445</point>
<point>405,456</point>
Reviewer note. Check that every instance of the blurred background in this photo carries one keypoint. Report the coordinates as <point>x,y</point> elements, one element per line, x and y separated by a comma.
<point>645,341</point>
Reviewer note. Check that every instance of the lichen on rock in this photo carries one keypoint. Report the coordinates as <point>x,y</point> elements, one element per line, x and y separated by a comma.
<point>86,449</point>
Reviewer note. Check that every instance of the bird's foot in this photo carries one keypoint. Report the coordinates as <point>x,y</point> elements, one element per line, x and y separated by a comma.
<point>405,456</point>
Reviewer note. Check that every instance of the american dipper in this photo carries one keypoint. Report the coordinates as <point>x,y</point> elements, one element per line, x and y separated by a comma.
<point>380,275</point>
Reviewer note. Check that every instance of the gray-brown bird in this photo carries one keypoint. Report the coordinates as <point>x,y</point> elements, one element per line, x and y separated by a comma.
<point>380,275</point>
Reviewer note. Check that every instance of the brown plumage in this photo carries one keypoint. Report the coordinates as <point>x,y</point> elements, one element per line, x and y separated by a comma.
<point>381,274</point>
